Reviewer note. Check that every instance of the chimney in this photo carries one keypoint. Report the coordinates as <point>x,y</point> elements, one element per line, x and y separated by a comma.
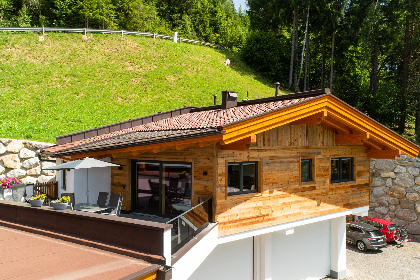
<point>229,99</point>
<point>277,84</point>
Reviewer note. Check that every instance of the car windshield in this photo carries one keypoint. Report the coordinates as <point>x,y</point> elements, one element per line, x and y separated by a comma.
<point>376,233</point>
<point>392,227</point>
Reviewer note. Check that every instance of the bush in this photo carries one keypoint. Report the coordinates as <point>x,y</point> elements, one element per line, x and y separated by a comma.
<point>268,54</point>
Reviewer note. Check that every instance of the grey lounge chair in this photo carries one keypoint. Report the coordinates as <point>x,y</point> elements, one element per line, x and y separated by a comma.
<point>71,197</point>
<point>116,211</point>
<point>103,196</point>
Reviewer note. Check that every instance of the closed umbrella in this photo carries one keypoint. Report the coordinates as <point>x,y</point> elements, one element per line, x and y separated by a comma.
<point>84,163</point>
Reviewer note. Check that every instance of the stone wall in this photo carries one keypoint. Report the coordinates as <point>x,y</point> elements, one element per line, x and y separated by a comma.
<point>395,192</point>
<point>19,158</point>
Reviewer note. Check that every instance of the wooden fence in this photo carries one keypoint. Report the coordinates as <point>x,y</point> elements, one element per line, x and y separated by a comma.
<point>50,189</point>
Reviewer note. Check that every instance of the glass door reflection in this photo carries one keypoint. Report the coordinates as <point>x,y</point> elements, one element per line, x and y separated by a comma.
<point>163,188</point>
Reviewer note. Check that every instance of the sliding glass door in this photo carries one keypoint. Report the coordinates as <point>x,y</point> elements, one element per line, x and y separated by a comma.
<point>163,188</point>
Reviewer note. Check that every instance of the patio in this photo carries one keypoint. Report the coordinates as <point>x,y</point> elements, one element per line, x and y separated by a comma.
<point>27,255</point>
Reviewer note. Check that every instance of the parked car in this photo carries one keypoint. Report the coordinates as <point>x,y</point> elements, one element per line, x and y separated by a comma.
<point>388,228</point>
<point>365,236</point>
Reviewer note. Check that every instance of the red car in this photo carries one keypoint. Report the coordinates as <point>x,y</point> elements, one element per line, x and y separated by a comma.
<point>387,227</point>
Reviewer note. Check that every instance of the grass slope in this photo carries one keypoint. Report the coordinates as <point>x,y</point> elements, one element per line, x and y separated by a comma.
<point>66,83</point>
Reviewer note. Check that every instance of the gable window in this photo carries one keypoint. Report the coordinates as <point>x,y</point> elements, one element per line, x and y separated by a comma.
<point>306,170</point>
<point>341,169</point>
<point>242,177</point>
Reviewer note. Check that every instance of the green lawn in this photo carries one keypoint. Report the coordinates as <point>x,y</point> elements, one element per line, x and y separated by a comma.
<point>66,83</point>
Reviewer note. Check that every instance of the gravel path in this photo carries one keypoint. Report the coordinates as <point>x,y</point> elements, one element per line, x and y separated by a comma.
<point>392,262</point>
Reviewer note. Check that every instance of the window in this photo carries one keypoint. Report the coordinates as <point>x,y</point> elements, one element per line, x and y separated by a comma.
<point>341,170</point>
<point>242,178</point>
<point>306,170</point>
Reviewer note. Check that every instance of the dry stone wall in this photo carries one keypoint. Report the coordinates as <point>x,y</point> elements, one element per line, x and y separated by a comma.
<point>395,192</point>
<point>19,159</point>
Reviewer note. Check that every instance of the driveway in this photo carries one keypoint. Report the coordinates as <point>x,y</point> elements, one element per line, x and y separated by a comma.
<point>392,262</point>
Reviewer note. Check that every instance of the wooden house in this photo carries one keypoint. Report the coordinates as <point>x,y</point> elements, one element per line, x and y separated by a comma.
<point>282,173</point>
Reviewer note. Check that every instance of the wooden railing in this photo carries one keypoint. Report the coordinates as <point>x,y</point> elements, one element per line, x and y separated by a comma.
<point>50,189</point>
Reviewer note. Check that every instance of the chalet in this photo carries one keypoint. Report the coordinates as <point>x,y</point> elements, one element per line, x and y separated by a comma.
<point>262,185</point>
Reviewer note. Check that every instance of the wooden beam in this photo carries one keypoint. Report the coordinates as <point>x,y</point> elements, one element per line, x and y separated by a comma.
<point>373,144</point>
<point>203,144</point>
<point>240,145</point>
<point>383,154</point>
<point>213,139</point>
<point>350,139</point>
<point>311,119</point>
<point>181,147</point>
<point>336,126</point>
<point>158,150</point>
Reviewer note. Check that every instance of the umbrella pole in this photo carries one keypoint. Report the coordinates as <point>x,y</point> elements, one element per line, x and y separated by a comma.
<point>87,185</point>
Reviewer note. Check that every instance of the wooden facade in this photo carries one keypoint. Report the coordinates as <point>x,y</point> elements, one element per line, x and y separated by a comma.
<point>281,197</point>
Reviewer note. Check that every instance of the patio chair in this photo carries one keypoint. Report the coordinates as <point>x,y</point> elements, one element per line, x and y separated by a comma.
<point>116,211</point>
<point>18,192</point>
<point>71,197</point>
<point>103,196</point>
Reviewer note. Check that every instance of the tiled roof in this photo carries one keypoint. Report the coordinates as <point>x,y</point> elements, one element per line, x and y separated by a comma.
<point>132,138</point>
<point>190,125</point>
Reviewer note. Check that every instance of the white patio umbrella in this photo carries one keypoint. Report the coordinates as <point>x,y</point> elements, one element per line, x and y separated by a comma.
<point>84,163</point>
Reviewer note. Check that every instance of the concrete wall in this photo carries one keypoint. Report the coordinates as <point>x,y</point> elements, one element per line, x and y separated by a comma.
<point>19,159</point>
<point>395,192</point>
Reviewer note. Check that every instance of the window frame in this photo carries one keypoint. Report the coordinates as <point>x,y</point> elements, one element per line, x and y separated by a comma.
<point>311,170</point>
<point>340,167</point>
<point>241,179</point>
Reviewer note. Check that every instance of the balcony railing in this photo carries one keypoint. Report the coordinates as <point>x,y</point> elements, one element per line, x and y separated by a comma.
<point>190,223</point>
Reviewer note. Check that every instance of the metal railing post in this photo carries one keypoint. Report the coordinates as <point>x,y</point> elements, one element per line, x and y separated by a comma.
<point>175,37</point>
<point>43,31</point>
<point>84,31</point>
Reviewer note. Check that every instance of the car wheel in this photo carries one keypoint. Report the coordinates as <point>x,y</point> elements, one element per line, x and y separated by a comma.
<point>361,246</point>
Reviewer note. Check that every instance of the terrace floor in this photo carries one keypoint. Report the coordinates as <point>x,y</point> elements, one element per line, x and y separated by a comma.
<point>31,256</point>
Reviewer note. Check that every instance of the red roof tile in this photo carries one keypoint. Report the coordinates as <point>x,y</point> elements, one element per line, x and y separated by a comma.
<point>205,119</point>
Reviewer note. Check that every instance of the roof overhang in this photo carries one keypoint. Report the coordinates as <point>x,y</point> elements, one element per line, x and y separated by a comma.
<point>351,126</point>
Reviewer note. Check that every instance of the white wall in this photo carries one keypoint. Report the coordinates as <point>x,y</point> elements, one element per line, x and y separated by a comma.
<point>99,181</point>
<point>229,261</point>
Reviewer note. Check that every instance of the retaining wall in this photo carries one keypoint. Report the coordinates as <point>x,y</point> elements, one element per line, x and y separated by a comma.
<point>19,158</point>
<point>395,192</point>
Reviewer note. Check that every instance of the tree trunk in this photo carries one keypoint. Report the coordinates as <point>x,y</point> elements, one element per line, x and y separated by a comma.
<point>332,57</point>
<point>295,72</point>
<point>373,88</point>
<point>292,56</point>
<point>417,129</point>
<point>323,61</point>
<point>303,47</point>
<point>306,78</point>
<point>403,96</point>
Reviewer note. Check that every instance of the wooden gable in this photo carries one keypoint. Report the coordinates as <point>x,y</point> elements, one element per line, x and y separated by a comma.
<point>281,196</point>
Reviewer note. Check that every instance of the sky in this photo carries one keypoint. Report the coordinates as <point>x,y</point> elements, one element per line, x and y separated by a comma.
<point>238,3</point>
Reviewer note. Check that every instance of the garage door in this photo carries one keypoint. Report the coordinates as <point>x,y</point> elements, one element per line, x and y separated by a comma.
<point>228,261</point>
<point>305,254</point>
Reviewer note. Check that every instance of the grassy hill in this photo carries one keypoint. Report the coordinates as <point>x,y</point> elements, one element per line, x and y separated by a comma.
<point>66,83</point>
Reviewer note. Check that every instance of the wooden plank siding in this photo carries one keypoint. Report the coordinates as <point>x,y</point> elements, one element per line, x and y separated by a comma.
<point>282,197</point>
